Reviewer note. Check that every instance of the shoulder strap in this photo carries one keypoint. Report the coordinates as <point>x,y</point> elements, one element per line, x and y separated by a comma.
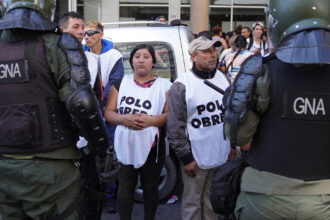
<point>98,86</point>
<point>30,54</point>
<point>250,43</point>
<point>263,44</point>
<point>232,62</point>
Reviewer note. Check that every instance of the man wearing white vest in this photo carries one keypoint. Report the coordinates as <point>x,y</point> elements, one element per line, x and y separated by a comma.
<point>195,127</point>
<point>105,65</point>
<point>102,57</point>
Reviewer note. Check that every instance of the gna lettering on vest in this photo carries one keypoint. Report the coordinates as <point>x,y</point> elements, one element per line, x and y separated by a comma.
<point>306,106</point>
<point>12,70</point>
<point>146,104</point>
<point>213,119</point>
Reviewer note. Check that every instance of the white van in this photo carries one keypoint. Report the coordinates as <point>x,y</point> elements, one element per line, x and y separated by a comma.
<point>170,43</point>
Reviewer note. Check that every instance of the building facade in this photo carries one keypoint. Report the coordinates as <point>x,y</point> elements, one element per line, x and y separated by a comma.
<point>227,13</point>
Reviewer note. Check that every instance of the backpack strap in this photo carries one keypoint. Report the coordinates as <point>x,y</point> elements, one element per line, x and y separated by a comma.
<point>250,43</point>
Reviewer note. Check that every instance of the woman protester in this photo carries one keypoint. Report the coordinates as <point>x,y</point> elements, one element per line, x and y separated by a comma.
<point>231,62</point>
<point>256,43</point>
<point>137,104</point>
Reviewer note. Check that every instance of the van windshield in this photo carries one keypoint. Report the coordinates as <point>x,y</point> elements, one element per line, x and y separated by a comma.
<point>165,62</point>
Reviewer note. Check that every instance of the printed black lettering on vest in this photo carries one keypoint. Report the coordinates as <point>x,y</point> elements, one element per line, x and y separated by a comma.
<point>146,104</point>
<point>137,103</point>
<point>206,122</point>
<point>14,71</point>
<point>200,109</point>
<point>306,106</point>
<point>135,111</point>
<point>122,99</point>
<point>214,119</point>
<point>133,102</point>
<point>210,107</point>
<point>121,110</point>
<point>196,123</point>
<point>127,110</point>
<point>130,100</point>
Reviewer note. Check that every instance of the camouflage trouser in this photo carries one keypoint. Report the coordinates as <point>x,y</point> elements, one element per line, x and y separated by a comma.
<point>275,207</point>
<point>37,189</point>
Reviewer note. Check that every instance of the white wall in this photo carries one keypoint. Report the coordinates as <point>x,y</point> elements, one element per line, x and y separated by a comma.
<point>92,10</point>
<point>242,2</point>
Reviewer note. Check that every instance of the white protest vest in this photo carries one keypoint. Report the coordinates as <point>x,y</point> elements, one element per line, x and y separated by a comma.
<point>107,60</point>
<point>205,117</point>
<point>133,147</point>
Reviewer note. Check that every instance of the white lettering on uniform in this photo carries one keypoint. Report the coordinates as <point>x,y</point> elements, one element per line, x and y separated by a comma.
<point>16,71</point>
<point>305,105</point>
<point>320,107</point>
<point>3,71</point>
<point>11,70</point>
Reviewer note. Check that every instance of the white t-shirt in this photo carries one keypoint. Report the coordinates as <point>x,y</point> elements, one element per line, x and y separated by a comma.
<point>256,46</point>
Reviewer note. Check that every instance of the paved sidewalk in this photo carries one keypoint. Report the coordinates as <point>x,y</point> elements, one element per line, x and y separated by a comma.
<point>164,212</point>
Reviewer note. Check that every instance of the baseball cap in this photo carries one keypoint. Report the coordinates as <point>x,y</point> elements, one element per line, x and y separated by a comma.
<point>257,23</point>
<point>202,43</point>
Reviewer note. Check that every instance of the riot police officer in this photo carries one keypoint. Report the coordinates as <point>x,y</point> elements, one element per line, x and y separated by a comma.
<point>283,106</point>
<point>44,83</point>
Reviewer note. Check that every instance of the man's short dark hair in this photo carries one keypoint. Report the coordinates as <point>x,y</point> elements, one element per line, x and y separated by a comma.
<point>247,28</point>
<point>63,22</point>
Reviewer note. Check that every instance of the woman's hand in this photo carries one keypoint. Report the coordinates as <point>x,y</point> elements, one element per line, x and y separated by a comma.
<point>144,119</point>
<point>133,121</point>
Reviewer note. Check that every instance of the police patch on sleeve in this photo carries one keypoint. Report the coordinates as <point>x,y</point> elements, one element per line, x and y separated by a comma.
<point>14,71</point>
<point>306,106</point>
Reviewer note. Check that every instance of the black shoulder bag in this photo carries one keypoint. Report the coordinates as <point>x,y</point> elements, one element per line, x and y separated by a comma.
<point>225,186</point>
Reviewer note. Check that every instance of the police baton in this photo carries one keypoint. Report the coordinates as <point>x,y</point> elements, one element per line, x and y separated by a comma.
<point>109,159</point>
<point>111,167</point>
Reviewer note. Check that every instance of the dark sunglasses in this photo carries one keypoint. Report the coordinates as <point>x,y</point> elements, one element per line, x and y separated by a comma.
<point>91,33</point>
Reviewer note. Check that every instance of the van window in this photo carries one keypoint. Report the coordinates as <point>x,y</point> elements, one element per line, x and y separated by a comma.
<point>165,64</point>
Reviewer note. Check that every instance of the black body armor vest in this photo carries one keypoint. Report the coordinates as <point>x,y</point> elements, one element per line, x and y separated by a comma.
<point>32,118</point>
<point>293,137</point>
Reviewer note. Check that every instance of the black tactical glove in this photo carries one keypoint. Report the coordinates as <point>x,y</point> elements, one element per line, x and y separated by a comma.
<point>108,167</point>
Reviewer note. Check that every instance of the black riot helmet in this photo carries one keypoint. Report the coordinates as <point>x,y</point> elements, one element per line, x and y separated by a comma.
<point>45,7</point>
<point>288,17</point>
<point>299,30</point>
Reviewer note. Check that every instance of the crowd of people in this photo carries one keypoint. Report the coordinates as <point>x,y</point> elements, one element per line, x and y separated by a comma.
<point>263,107</point>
